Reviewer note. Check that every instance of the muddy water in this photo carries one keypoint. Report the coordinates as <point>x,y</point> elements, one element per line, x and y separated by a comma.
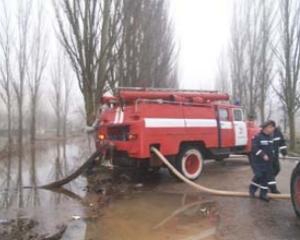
<point>149,215</point>
<point>133,213</point>
<point>41,164</point>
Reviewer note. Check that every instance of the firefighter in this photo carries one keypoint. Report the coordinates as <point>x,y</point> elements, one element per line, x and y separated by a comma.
<point>279,147</point>
<point>262,160</point>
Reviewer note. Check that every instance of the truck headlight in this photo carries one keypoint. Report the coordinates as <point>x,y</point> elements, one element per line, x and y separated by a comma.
<point>101,136</point>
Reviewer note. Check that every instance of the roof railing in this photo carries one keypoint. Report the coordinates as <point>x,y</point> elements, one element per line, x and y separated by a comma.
<point>139,89</point>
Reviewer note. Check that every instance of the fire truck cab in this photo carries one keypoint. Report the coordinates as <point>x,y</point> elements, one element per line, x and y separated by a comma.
<point>186,126</point>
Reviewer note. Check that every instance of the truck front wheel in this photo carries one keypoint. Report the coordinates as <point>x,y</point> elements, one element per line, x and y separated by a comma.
<point>295,189</point>
<point>189,162</point>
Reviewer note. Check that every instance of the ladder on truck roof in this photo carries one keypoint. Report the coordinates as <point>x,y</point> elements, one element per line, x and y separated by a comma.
<point>140,89</point>
<point>133,94</point>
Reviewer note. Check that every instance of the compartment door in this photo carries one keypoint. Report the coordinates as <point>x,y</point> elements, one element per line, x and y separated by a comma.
<point>240,128</point>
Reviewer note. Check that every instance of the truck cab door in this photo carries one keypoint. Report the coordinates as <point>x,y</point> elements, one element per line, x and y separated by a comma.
<point>225,128</point>
<point>240,127</point>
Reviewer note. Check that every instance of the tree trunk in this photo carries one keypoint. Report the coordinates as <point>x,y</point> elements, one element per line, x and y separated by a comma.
<point>64,127</point>
<point>20,152</point>
<point>9,127</point>
<point>90,109</point>
<point>33,121</point>
<point>9,135</point>
<point>58,125</point>
<point>292,134</point>
<point>262,111</point>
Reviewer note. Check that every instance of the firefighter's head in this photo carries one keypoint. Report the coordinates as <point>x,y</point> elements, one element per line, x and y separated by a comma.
<point>268,127</point>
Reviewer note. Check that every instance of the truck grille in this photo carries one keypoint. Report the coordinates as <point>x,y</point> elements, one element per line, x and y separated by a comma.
<point>118,133</point>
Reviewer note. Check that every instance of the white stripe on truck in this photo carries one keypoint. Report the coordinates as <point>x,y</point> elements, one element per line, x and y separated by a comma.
<point>201,122</point>
<point>164,122</point>
<point>226,124</point>
<point>119,116</point>
<point>178,122</point>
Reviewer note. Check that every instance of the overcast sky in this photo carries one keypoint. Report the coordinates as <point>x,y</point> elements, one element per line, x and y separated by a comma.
<point>202,29</point>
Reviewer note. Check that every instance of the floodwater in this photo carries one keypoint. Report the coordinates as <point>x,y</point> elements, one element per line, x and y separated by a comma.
<point>148,215</point>
<point>129,211</point>
<point>19,199</point>
<point>160,208</point>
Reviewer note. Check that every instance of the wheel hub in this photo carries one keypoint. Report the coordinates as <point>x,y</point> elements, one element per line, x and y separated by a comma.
<point>192,164</point>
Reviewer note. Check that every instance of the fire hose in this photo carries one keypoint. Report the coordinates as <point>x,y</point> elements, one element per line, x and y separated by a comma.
<point>199,187</point>
<point>69,178</point>
<point>206,189</point>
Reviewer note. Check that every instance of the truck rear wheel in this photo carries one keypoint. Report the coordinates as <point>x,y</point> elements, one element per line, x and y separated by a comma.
<point>189,162</point>
<point>295,189</point>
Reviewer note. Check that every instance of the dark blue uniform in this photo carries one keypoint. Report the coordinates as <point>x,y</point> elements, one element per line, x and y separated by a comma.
<point>262,144</point>
<point>279,146</point>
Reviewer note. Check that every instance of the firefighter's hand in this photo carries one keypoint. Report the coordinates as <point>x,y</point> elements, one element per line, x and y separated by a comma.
<point>265,157</point>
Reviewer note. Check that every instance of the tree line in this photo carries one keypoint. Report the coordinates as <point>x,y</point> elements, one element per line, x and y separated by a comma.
<point>263,60</point>
<point>117,43</point>
<point>98,46</point>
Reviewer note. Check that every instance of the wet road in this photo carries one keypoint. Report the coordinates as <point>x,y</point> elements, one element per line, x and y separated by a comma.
<point>162,208</point>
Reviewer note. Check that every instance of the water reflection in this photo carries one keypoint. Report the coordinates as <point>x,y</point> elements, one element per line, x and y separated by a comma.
<point>33,195</point>
<point>5,174</point>
<point>40,164</point>
<point>152,215</point>
<point>132,215</point>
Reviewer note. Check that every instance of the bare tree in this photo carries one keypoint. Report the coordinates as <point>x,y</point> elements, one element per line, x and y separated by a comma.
<point>6,74</point>
<point>24,10</point>
<point>237,55</point>
<point>56,98</point>
<point>222,78</point>
<point>147,52</point>
<point>252,11</point>
<point>117,43</point>
<point>288,56</point>
<point>265,55</point>
<point>250,54</point>
<point>61,93</point>
<point>89,44</point>
<point>37,68</point>
<point>67,89</point>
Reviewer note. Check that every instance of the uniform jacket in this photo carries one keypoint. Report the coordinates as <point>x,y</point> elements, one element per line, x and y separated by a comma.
<point>262,144</point>
<point>279,143</point>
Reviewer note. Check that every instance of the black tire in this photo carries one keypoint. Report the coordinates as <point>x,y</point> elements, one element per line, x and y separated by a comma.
<point>295,189</point>
<point>190,162</point>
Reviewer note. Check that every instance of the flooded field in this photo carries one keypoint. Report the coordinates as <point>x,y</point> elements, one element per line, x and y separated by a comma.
<point>158,208</point>
<point>128,211</point>
<point>20,199</point>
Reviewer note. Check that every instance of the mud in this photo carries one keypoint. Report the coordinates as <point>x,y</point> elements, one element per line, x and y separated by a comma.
<point>106,206</point>
<point>26,229</point>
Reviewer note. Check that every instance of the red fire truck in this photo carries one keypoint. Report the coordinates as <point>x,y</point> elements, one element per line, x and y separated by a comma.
<point>186,126</point>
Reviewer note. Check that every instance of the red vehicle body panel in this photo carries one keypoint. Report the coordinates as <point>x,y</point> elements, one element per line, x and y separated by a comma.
<point>140,119</point>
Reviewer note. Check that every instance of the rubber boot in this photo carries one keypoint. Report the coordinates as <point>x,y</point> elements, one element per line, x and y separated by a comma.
<point>273,189</point>
<point>264,195</point>
<point>252,190</point>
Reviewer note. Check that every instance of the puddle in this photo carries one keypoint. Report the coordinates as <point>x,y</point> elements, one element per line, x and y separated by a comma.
<point>127,212</point>
<point>150,215</point>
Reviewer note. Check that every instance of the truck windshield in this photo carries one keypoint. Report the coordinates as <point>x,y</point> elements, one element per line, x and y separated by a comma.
<point>238,115</point>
